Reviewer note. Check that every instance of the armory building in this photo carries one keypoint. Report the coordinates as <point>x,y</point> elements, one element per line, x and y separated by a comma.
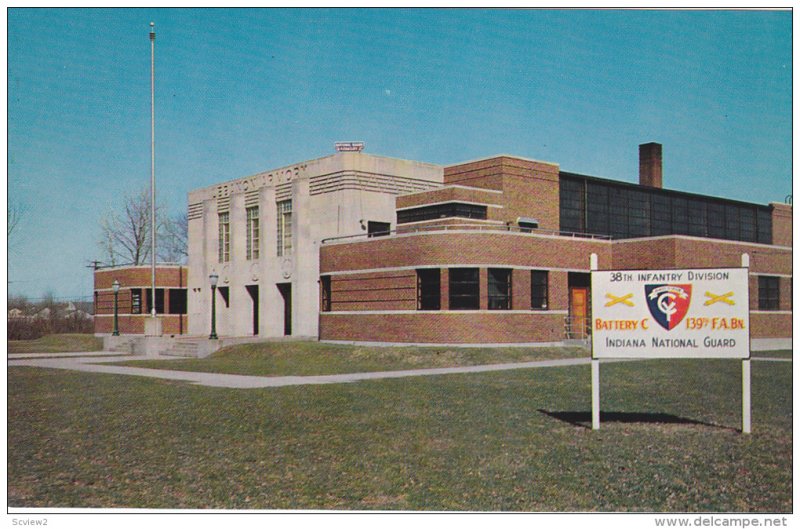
<point>356,247</point>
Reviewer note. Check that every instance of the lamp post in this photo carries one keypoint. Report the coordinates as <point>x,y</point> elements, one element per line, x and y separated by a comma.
<point>213,278</point>
<point>115,286</point>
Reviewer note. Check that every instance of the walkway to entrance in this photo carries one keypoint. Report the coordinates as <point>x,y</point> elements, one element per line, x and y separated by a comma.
<point>94,364</point>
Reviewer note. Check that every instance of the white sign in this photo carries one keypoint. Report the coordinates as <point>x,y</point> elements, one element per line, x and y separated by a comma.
<point>349,146</point>
<point>694,313</point>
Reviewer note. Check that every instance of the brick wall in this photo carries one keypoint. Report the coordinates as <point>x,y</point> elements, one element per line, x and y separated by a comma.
<point>395,290</point>
<point>139,278</point>
<point>444,327</point>
<point>460,248</point>
<point>448,194</point>
<point>530,188</point>
<point>781,224</point>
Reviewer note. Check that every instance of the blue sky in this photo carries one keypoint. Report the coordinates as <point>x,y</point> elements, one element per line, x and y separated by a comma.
<point>241,91</point>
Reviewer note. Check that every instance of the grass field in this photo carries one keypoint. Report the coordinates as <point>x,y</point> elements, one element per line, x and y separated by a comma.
<point>57,343</point>
<point>315,358</point>
<point>513,440</point>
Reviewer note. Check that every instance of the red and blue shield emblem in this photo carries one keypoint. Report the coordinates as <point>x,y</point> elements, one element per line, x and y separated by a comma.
<point>668,303</point>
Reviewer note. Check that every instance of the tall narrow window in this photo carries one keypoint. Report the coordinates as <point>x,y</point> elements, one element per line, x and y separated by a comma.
<point>499,289</point>
<point>224,237</point>
<point>325,282</point>
<point>539,289</point>
<point>428,289</point>
<point>284,227</point>
<point>464,289</point>
<point>768,293</point>
<point>252,233</point>
<point>136,301</point>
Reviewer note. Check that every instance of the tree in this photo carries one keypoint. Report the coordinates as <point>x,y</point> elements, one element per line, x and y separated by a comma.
<point>125,233</point>
<point>15,214</point>
<point>173,243</point>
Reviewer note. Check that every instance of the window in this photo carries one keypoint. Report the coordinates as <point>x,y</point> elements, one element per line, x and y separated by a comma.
<point>177,301</point>
<point>136,301</point>
<point>539,289</point>
<point>284,227</point>
<point>159,300</point>
<point>618,210</point>
<point>572,205</point>
<point>325,282</point>
<point>224,237</point>
<point>428,289</point>
<point>464,289</point>
<point>768,294</point>
<point>377,229</point>
<point>442,211</point>
<point>764,221</point>
<point>252,233</point>
<point>499,289</point>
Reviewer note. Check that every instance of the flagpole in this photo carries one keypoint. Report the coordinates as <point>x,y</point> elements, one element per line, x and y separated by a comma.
<point>153,165</point>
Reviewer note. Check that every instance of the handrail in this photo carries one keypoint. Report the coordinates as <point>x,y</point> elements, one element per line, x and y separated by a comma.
<point>474,227</point>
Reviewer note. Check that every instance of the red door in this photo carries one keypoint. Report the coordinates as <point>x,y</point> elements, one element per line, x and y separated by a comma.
<point>578,311</point>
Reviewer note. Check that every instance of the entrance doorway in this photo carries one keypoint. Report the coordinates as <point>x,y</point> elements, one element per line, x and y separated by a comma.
<point>286,291</point>
<point>578,321</point>
<point>253,291</point>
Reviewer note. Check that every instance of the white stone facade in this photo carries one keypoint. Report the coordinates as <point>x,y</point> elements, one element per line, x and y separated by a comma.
<point>333,196</point>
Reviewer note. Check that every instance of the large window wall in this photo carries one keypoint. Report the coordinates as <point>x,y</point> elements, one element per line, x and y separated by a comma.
<point>623,211</point>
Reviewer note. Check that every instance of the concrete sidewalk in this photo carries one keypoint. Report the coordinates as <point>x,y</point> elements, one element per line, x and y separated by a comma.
<point>92,362</point>
<point>221,380</point>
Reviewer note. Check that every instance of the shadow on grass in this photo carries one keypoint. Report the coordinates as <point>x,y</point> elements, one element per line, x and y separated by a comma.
<point>583,419</point>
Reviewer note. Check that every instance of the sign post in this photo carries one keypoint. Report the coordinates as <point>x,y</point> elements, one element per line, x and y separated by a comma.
<point>689,313</point>
<point>595,369</point>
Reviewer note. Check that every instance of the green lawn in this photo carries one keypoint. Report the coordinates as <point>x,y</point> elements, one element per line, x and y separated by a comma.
<point>771,354</point>
<point>513,440</point>
<point>315,358</point>
<point>57,343</point>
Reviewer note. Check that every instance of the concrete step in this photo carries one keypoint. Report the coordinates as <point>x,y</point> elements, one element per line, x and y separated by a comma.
<point>183,348</point>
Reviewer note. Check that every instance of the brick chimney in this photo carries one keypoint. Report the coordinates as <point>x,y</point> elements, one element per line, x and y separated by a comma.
<point>650,164</point>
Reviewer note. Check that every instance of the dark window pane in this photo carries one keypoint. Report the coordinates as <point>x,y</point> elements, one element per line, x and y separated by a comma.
<point>747,224</point>
<point>177,300</point>
<point>464,289</point>
<point>325,282</point>
<point>764,219</point>
<point>499,289</point>
<point>768,293</point>
<point>539,289</point>
<point>159,300</point>
<point>377,229</point>
<point>429,289</point>
<point>441,211</point>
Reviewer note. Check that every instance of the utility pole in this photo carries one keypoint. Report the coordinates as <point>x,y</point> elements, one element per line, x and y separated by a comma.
<point>153,163</point>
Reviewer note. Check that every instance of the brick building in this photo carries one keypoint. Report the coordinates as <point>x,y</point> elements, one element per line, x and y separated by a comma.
<point>134,299</point>
<point>499,253</point>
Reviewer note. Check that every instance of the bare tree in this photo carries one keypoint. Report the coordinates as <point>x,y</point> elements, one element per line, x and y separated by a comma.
<point>173,242</point>
<point>15,214</point>
<point>125,233</point>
